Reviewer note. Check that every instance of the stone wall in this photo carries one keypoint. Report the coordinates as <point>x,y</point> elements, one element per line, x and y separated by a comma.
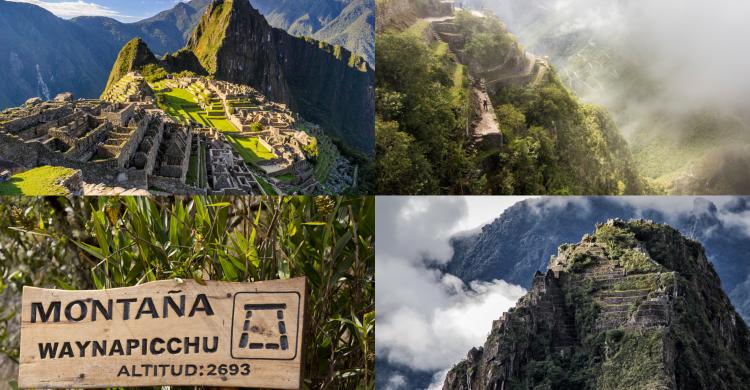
<point>174,186</point>
<point>80,146</point>
<point>15,149</point>
<point>122,116</point>
<point>37,116</point>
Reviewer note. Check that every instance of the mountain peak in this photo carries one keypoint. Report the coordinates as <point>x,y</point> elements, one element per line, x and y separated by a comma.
<point>134,55</point>
<point>634,305</point>
<point>223,19</point>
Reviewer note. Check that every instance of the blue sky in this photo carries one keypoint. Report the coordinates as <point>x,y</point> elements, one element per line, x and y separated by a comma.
<point>123,10</point>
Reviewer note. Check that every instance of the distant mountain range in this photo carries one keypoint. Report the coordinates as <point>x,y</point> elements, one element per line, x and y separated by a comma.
<point>45,55</point>
<point>521,241</point>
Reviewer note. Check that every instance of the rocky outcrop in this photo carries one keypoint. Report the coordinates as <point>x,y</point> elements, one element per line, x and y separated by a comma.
<point>634,306</point>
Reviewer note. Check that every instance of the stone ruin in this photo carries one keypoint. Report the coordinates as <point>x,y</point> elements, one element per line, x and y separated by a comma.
<point>124,144</point>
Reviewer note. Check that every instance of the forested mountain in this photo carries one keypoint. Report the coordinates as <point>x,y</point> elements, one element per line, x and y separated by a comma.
<point>45,55</point>
<point>438,68</point>
<point>348,23</point>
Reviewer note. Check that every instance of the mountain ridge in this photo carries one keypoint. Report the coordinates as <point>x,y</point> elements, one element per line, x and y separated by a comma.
<point>635,305</point>
<point>76,55</point>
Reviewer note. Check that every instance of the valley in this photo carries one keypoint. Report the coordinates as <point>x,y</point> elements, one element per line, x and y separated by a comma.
<point>672,92</point>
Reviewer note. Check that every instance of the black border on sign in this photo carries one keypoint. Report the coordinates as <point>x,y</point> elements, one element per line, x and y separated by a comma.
<point>231,335</point>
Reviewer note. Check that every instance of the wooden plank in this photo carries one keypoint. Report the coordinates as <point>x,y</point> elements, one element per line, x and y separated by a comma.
<point>171,332</point>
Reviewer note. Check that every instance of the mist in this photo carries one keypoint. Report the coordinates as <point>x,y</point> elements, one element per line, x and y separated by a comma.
<point>691,52</point>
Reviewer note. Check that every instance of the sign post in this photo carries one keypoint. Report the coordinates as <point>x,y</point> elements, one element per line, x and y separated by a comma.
<point>171,332</point>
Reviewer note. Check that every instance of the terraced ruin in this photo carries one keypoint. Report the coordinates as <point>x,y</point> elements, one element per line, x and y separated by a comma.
<point>181,135</point>
<point>518,68</point>
<point>635,305</point>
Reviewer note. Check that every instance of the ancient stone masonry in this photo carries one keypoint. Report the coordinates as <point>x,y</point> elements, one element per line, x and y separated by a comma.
<point>112,143</point>
<point>622,306</point>
<point>124,142</point>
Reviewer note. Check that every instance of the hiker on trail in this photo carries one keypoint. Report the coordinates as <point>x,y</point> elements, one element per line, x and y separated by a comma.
<point>485,104</point>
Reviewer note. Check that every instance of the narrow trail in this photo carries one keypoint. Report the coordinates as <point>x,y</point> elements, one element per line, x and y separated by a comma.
<point>487,124</point>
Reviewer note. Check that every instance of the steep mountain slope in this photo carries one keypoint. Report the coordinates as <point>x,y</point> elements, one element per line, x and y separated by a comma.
<point>327,84</point>
<point>677,140</point>
<point>636,305</point>
<point>45,55</point>
<point>41,55</point>
<point>347,23</point>
<point>545,141</point>
<point>519,242</point>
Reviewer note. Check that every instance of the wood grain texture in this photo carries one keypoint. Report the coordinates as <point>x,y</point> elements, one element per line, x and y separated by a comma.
<point>224,334</point>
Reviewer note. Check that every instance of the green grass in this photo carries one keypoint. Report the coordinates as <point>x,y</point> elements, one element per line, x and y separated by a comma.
<point>37,182</point>
<point>266,187</point>
<point>459,75</point>
<point>441,49</point>
<point>418,28</point>
<point>181,104</point>
<point>287,178</point>
<point>193,174</point>
<point>251,150</point>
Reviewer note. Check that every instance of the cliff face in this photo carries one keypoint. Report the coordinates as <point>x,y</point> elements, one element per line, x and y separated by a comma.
<point>634,306</point>
<point>327,84</point>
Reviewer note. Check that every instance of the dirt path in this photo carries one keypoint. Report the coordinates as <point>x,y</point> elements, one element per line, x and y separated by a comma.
<point>487,124</point>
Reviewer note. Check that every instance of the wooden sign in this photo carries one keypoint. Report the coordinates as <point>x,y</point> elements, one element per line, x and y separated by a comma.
<point>170,332</point>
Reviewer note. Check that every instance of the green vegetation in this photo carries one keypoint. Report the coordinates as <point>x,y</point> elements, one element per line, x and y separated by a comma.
<point>210,33</point>
<point>153,73</point>
<point>41,181</point>
<point>97,243</point>
<point>266,187</point>
<point>180,103</point>
<point>553,144</point>
<point>420,126</point>
<point>636,362</point>
<point>487,40</point>
<point>250,149</point>
<point>133,55</point>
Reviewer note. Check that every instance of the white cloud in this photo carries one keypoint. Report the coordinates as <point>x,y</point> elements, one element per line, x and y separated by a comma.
<point>427,319</point>
<point>438,380</point>
<point>72,9</point>
<point>691,48</point>
<point>439,337</point>
<point>396,382</point>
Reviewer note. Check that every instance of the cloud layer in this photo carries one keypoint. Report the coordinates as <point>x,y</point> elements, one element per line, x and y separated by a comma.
<point>427,319</point>
<point>72,9</point>
<point>694,49</point>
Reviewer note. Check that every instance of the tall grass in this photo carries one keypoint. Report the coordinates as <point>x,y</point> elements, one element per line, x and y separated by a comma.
<point>114,242</point>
